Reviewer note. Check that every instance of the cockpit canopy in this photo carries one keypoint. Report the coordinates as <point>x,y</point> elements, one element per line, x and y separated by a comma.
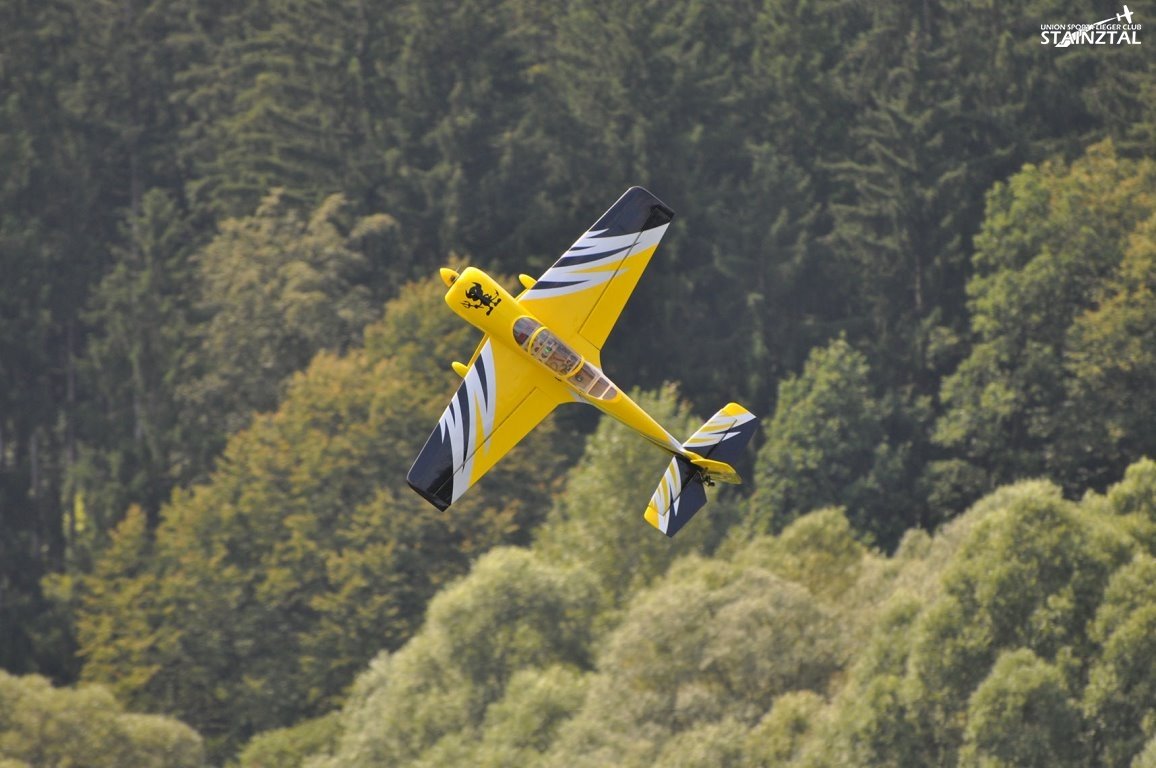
<point>552,352</point>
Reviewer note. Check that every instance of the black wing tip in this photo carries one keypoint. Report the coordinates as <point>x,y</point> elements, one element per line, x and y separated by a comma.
<point>636,211</point>
<point>432,473</point>
<point>432,497</point>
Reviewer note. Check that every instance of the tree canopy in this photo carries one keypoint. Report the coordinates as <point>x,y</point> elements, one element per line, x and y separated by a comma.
<point>915,240</point>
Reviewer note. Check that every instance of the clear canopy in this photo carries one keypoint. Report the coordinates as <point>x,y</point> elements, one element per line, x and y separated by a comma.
<point>551,351</point>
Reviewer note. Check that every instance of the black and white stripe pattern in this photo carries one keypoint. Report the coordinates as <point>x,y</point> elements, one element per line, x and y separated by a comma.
<point>679,495</point>
<point>714,433</point>
<point>593,260</point>
<point>468,420</point>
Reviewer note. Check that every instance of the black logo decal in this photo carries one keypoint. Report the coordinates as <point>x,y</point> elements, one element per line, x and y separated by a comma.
<point>480,299</point>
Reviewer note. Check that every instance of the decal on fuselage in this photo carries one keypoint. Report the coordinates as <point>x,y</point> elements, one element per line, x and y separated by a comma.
<point>479,299</point>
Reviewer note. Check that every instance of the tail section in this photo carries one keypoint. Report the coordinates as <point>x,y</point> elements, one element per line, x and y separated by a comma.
<point>708,457</point>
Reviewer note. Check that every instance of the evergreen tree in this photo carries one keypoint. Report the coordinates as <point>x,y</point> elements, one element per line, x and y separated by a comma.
<point>286,94</point>
<point>49,245</point>
<point>133,446</point>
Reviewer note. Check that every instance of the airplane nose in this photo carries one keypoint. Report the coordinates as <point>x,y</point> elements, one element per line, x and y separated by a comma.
<point>448,276</point>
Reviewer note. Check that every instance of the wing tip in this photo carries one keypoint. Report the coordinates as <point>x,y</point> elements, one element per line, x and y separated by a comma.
<point>430,495</point>
<point>636,211</point>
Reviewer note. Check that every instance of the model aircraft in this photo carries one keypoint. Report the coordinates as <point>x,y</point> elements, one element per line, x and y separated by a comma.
<point>543,348</point>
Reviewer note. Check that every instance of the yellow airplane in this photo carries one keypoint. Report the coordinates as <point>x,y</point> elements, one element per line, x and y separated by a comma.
<point>543,348</point>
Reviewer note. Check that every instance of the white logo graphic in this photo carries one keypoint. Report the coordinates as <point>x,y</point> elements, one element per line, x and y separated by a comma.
<point>1114,30</point>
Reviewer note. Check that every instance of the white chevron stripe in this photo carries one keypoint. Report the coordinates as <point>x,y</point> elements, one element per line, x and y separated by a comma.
<point>588,274</point>
<point>668,495</point>
<point>716,430</point>
<point>475,425</point>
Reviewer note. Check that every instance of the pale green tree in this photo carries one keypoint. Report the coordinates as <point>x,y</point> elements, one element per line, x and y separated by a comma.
<point>712,642</point>
<point>86,727</point>
<point>818,551</point>
<point>783,734</point>
<point>1147,758</point>
<point>522,726</point>
<point>1028,575</point>
<point>291,747</point>
<point>430,701</point>
<point>1120,699</point>
<point>1022,716</point>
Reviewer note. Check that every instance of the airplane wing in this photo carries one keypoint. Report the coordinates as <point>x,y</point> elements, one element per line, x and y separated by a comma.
<point>501,398</point>
<point>582,295</point>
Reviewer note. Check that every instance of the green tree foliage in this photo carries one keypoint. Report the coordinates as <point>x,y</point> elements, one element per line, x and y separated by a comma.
<point>1010,587</point>
<point>469,668</point>
<point>287,94</point>
<point>930,128</point>
<point>828,161</point>
<point>123,633</point>
<point>1147,758</point>
<point>1015,636</point>
<point>818,551</point>
<point>120,92</point>
<point>521,727</point>
<point>276,288</point>
<point>615,100</point>
<point>1052,280</point>
<point>460,81</point>
<point>828,445</point>
<point>1109,357</point>
<point>290,747</point>
<point>87,728</point>
<point>780,737</point>
<point>1022,715</point>
<point>712,642</point>
<point>142,310</point>
<point>901,181</point>
<point>42,214</point>
<point>1004,638</point>
<point>268,586</point>
<point>1120,699</point>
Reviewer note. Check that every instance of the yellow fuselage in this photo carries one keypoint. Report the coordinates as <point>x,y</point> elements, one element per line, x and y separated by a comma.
<point>566,364</point>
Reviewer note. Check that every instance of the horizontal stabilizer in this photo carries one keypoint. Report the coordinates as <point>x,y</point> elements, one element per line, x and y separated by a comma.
<point>710,453</point>
<point>725,436</point>
<point>679,496</point>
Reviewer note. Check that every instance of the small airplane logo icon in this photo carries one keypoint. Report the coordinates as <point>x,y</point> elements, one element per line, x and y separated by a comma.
<point>1125,16</point>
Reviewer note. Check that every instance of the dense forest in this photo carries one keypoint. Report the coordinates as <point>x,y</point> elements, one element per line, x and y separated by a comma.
<point>917,240</point>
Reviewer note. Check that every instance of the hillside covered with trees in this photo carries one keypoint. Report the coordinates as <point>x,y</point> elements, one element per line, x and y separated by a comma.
<point>919,243</point>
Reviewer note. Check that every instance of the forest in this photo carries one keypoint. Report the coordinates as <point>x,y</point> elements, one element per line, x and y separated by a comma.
<point>916,240</point>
